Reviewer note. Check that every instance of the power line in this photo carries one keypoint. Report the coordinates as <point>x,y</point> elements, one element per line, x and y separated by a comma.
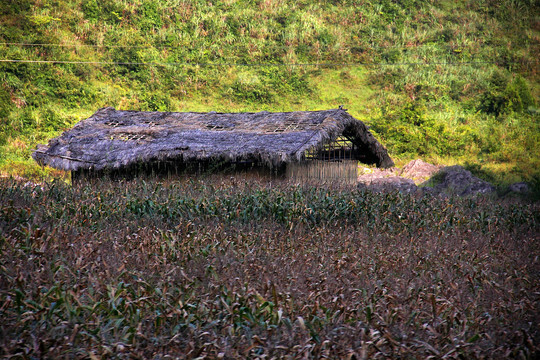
<point>256,64</point>
<point>79,45</point>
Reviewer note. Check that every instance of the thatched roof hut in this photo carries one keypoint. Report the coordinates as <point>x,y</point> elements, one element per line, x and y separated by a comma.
<point>115,139</point>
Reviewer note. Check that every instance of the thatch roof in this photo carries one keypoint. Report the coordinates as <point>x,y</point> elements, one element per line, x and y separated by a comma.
<point>112,139</point>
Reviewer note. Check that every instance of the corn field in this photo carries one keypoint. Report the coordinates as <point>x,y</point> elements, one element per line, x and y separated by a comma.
<point>223,269</point>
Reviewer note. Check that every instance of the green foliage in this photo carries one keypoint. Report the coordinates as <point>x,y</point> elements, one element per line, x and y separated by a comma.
<point>464,112</point>
<point>410,132</point>
<point>151,101</point>
<point>480,172</point>
<point>286,80</point>
<point>503,96</point>
<point>495,100</point>
<point>149,17</point>
<point>251,89</point>
<point>268,83</point>
<point>520,94</point>
<point>5,103</point>
<point>102,10</point>
<point>15,7</point>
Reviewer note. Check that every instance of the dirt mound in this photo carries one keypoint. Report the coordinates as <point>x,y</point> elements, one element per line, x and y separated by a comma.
<point>433,179</point>
<point>419,171</point>
<point>456,180</point>
<point>376,174</point>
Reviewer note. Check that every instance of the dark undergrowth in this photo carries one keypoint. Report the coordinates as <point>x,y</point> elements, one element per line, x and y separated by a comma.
<point>223,269</point>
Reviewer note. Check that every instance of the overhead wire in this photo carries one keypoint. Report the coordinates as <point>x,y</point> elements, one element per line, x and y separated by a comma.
<point>259,64</point>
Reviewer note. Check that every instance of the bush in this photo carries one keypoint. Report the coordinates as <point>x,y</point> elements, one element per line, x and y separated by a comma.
<point>102,10</point>
<point>520,95</point>
<point>5,103</point>
<point>154,101</point>
<point>404,131</point>
<point>149,16</point>
<point>268,83</point>
<point>391,56</point>
<point>410,132</point>
<point>251,89</point>
<point>493,102</point>
<point>504,96</point>
<point>286,81</point>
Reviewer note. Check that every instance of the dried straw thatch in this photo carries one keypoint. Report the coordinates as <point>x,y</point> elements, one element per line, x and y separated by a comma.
<point>114,139</point>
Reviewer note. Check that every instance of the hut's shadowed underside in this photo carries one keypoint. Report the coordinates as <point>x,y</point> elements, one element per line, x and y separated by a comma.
<point>171,169</point>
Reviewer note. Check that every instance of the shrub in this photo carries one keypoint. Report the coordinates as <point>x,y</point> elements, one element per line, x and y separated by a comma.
<point>267,84</point>
<point>102,10</point>
<point>494,102</point>
<point>391,56</point>
<point>286,80</point>
<point>149,17</point>
<point>5,103</point>
<point>410,132</point>
<point>504,96</point>
<point>250,89</point>
<point>407,131</point>
<point>520,95</point>
<point>154,101</point>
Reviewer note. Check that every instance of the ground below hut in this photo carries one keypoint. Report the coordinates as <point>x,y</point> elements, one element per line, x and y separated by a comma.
<point>421,177</point>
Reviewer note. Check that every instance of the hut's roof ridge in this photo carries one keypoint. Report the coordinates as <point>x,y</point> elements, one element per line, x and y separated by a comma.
<point>115,138</point>
<point>222,113</point>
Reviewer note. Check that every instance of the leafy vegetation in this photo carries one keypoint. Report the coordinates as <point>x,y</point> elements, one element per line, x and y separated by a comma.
<point>461,84</point>
<point>224,269</point>
<point>227,269</point>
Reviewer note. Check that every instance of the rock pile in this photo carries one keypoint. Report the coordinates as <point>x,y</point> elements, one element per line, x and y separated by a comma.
<point>419,171</point>
<point>455,180</point>
<point>452,180</point>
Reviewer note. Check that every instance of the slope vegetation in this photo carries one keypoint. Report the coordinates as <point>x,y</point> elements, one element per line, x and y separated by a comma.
<point>452,82</point>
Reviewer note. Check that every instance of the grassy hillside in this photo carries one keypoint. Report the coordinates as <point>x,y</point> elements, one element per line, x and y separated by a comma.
<point>451,82</point>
